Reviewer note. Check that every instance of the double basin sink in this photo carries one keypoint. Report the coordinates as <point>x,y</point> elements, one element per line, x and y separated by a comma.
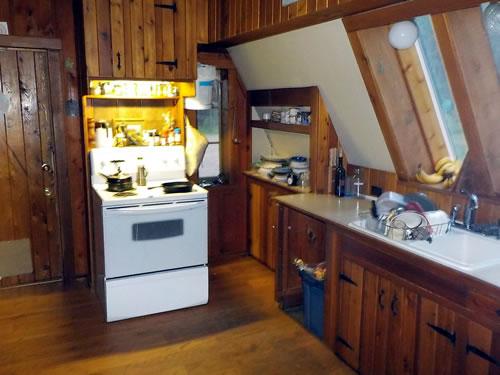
<point>458,249</point>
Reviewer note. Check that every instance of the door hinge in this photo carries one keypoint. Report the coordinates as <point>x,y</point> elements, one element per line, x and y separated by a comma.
<point>168,63</point>
<point>472,349</point>
<point>443,332</point>
<point>172,7</point>
<point>344,277</point>
<point>344,342</point>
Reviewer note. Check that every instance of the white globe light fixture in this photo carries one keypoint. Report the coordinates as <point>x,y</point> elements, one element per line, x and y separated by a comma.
<point>403,35</point>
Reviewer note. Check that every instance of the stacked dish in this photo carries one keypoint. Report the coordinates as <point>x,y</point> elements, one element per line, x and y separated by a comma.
<point>299,164</point>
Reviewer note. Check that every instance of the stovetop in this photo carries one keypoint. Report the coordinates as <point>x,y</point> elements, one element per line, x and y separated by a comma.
<point>145,195</point>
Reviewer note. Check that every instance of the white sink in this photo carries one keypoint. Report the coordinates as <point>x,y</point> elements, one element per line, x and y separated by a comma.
<point>458,249</point>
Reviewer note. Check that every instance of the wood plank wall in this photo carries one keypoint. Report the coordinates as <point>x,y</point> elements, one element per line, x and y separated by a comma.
<point>489,209</point>
<point>237,21</point>
<point>54,19</point>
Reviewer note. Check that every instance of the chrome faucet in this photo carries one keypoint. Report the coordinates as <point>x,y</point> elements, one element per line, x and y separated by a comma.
<point>470,209</point>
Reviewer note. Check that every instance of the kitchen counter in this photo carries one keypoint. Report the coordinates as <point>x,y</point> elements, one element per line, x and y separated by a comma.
<point>342,211</point>
<point>258,176</point>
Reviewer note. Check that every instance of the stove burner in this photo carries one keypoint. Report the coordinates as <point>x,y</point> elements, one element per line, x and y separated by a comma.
<point>125,194</point>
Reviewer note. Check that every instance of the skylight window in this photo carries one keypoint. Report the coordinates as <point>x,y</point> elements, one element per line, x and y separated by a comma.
<point>439,87</point>
<point>491,22</point>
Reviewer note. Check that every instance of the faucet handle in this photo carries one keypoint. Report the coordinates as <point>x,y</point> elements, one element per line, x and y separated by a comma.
<point>454,213</point>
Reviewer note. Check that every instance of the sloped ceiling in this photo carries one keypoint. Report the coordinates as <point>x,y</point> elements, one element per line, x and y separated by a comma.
<point>320,56</point>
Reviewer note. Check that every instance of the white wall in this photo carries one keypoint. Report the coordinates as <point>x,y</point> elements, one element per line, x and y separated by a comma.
<point>320,56</point>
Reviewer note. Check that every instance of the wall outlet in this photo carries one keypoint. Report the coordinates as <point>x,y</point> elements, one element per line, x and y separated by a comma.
<point>4,28</point>
<point>284,3</point>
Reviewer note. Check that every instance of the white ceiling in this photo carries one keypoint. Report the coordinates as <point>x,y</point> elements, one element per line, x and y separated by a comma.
<point>320,56</point>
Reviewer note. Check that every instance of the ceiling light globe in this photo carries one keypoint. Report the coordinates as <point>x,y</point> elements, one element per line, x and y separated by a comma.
<point>403,35</point>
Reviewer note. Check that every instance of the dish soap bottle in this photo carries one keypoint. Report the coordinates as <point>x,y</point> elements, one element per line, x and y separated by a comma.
<point>340,177</point>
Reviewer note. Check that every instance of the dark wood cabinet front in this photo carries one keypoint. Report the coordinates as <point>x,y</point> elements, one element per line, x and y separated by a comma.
<point>140,39</point>
<point>300,236</point>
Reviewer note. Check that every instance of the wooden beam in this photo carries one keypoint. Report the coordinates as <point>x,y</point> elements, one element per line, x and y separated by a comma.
<point>403,11</point>
<point>8,41</point>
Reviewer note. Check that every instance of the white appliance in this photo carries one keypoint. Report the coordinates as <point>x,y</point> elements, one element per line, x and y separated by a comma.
<point>151,248</point>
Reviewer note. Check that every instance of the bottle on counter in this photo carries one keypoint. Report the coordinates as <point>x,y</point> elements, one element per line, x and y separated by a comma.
<point>340,176</point>
<point>177,136</point>
<point>357,183</point>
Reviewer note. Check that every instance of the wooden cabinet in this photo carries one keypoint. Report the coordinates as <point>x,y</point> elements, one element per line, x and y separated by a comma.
<point>385,324</point>
<point>449,343</point>
<point>263,220</point>
<point>140,39</point>
<point>300,236</point>
<point>389,320</point>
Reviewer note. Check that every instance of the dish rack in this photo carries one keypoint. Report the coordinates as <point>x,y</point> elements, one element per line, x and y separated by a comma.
<point>398,230</point>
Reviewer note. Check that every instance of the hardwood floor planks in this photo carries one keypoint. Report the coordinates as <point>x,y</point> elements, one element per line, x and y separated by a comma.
<point>240,331</point>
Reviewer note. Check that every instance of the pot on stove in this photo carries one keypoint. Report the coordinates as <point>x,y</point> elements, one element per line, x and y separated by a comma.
<point>118,181</point>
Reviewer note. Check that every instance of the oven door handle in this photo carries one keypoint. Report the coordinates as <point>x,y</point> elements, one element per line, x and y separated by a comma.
<point>154,209</point>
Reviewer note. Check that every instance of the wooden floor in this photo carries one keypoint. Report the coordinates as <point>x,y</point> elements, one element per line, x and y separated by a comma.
<point>49,330</point>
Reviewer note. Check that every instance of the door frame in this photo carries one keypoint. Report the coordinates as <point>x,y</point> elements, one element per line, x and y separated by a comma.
<point>53,48</point>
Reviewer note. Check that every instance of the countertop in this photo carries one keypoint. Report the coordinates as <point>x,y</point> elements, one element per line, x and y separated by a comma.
<point>258,176</point>
<point>342,211</point>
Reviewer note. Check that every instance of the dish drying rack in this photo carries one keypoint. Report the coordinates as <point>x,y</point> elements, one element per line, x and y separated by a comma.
<point>396,229</point>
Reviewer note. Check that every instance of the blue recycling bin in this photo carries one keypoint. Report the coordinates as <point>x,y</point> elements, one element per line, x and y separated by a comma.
<point>314,302</point>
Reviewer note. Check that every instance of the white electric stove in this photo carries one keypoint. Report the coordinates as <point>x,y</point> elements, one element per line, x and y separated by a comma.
<point>151,248</point>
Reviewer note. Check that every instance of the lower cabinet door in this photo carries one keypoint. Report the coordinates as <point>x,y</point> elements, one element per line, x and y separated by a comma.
<point>389,321</point>
<point>350,304</point>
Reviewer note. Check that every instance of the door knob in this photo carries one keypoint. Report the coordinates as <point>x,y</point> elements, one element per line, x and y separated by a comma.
<point>47,192</point>
<point>46,167</point>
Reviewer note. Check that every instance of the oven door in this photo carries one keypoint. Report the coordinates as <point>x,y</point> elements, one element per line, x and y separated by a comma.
<point>156,237</point>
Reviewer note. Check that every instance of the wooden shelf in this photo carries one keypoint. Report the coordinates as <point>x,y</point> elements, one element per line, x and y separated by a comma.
<point>301,129</point>
<point>131,98</point>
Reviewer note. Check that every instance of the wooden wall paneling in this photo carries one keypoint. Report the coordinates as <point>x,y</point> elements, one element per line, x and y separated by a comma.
<point>104,38</point>
<point>292,10</point>
<point>68,136</point>
<point>302,8</point>
<point>34,18</point>
<point>394,107</point>
<point>47,144</point>
<point>127,36</point>
<point>149,39</point>
<point>137,37</point>
<point>118,38</point>
<point>477,67</point>
<point>256,15</point>
<point>422,100</point>
<point>191,71</point>
<point>5,11</point>
<point>276,12</point>
<point>180,29</point>
<point>284,12</point>
<point>321,4</point>
<point>202,21</point>
<point>91,38</point>
<point>165,41</point>
<point>31,127</point>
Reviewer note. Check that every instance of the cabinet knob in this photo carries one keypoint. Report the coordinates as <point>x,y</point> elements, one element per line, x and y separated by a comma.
<point>289,227</point>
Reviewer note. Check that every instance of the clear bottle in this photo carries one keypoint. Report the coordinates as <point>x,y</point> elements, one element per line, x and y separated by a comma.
<point>357,183</point>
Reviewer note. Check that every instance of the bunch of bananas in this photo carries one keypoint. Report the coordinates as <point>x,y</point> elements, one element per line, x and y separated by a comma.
<point>446,172</point>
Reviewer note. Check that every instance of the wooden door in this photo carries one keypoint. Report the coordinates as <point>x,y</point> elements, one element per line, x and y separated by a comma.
<point>449,343</point>
<point>136,39</point>
<point>305,240</point>
<point>389,320</point>
<point>256,213</point>
<point>347,337</point>
<point>29,226</point>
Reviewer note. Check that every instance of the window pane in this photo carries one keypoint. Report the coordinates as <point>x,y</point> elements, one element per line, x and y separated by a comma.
<point>437,80</point>
<point>491,20</point>
<point>210,166</point>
